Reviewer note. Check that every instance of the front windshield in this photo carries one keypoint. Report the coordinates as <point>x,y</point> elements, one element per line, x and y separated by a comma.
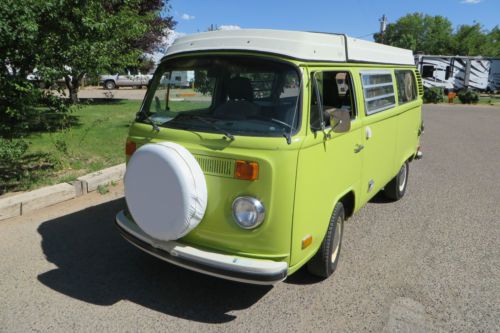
<point>227,94</point>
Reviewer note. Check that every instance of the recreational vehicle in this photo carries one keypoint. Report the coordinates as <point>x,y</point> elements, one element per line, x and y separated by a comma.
<point>454,72</point>
<point>286,136</point>
<point>494,76</point>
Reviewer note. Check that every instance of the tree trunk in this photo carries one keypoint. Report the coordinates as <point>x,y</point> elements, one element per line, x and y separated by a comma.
<point>73,85</point>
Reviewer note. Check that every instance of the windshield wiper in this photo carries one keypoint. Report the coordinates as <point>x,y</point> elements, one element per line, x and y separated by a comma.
<point>226,133</point>
<point>288,137</point>
<point>211,124</point>
<point>155,125</point>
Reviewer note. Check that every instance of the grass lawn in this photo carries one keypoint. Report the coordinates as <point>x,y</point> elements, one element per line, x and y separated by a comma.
<point>96,140</point>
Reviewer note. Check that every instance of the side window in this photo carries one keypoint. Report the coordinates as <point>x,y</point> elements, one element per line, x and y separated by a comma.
<point>378,90</point>
<point>407,89</point>
<point>330,90</point>
<point>133,71</point>
<point>449,71</point>
<point>428,71</point>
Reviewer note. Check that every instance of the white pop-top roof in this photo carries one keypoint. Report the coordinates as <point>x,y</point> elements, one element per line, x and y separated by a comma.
<point>295,44</point>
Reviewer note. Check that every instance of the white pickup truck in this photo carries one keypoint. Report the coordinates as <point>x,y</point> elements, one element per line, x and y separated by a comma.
<point>129,78</point>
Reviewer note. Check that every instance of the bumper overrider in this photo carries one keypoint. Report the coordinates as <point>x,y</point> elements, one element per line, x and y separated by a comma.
<point>241,269</point>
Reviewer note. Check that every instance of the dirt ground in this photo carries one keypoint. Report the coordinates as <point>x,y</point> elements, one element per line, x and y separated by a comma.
<point>122,93</point>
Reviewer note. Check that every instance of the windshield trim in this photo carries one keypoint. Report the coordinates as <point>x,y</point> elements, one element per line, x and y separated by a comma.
<point>143,113</point>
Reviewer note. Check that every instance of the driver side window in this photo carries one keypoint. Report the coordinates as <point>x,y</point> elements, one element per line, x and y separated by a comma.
<point>330,90</point>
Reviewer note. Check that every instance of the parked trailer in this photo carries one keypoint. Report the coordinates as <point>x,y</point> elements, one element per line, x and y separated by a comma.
<point>454,72</point>
<point>494,76</point>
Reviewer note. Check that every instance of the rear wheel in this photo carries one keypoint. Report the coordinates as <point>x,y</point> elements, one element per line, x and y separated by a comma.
<point>396,188</point>
<point>324,263</point>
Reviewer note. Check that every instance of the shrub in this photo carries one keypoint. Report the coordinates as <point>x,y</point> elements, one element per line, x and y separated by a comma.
<point>468,96</point>
<point>433,95</point>
<point>12,150</point>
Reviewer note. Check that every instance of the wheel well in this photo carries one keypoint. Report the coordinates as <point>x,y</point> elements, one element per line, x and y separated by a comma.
<point>348,201</point>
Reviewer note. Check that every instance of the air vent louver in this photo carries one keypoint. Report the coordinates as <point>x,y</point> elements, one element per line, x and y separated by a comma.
<point>216,166</point>
<point>419,84</point>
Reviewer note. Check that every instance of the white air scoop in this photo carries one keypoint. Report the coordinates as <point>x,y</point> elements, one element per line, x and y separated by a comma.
<point>165,190</point>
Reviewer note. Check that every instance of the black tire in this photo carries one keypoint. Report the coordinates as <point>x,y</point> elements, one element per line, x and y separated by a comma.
<point>325,261</point>
<point>396,188</point>
<point>110,85</point>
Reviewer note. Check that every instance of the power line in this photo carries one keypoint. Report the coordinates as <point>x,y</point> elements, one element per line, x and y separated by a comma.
<point>373,33</point>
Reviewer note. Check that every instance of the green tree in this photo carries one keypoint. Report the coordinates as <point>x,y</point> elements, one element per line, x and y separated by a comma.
<point>471,40</point>
<point>491,47</point>
<point>19,32</point>
<point>93,36</point>
<point>420,33</point>
<point>435,35</point>
<point>494,42</point>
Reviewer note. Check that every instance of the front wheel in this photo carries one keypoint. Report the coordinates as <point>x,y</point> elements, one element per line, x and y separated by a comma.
<point>396,188</point>
<point>110,85</point>
<point>324,263</point>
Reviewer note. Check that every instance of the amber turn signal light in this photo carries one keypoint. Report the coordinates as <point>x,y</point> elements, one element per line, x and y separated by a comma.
<point>307,241</point>
<point>130,148</point>
<point>246,170</point>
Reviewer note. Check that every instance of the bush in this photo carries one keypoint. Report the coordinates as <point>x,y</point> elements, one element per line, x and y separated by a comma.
<point>12,150</point>
<point>468,96</point>
<point>433,95</point>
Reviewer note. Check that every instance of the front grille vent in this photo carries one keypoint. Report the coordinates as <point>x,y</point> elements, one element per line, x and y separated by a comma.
<point>216,166</point>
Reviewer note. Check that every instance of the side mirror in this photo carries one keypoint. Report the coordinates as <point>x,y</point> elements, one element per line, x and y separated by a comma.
<point>340,120</point>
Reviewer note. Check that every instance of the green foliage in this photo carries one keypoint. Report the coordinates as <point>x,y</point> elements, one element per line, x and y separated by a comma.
<point>17,100</point>
<point>63,39</point>
<point>103,189</point>
<point>435,35</point>
<point>94,36</point>
<point>21,34</point>
<point>433,95</point>
<point>468,97</point>
<point>419,32</point>
<point>12,150</point>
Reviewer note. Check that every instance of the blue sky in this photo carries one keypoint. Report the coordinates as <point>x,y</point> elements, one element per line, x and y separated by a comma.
<point>355,17</point>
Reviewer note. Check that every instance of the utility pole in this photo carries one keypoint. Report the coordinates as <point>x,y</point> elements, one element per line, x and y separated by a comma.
<point>383,26</point>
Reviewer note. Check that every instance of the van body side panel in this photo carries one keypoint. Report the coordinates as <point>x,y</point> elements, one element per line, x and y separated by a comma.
<point>327,169</point>
<point>409,122</point>
<point>379,141</point>
<point>407,142</point>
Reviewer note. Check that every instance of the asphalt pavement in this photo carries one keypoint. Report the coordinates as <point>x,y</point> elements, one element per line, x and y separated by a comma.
<point>428,263</point>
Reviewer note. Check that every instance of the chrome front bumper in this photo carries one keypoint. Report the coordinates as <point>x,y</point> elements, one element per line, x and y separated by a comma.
<point>241,269</point>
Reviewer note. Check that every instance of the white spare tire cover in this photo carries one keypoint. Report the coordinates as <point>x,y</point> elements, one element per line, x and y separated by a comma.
<point>165,190</point>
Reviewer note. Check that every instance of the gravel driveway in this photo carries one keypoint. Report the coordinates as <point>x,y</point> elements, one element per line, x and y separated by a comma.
<point>428,263</point>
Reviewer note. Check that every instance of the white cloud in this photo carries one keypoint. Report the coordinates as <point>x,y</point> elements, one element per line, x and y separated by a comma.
<point>229,27</point>
<point>471,2</point>
<point>187,17</point>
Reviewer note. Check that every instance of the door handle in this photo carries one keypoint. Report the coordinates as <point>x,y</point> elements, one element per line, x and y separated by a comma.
<point>358,148</point>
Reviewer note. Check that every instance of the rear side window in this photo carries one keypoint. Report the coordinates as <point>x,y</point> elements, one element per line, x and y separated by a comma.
<point>378,90</point>
<point>407,88</point>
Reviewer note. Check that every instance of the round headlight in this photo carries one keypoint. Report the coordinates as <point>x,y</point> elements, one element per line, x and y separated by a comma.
<point>248,212</point>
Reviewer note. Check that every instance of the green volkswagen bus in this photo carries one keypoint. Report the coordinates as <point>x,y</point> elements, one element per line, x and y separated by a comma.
<point>250,172</point>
